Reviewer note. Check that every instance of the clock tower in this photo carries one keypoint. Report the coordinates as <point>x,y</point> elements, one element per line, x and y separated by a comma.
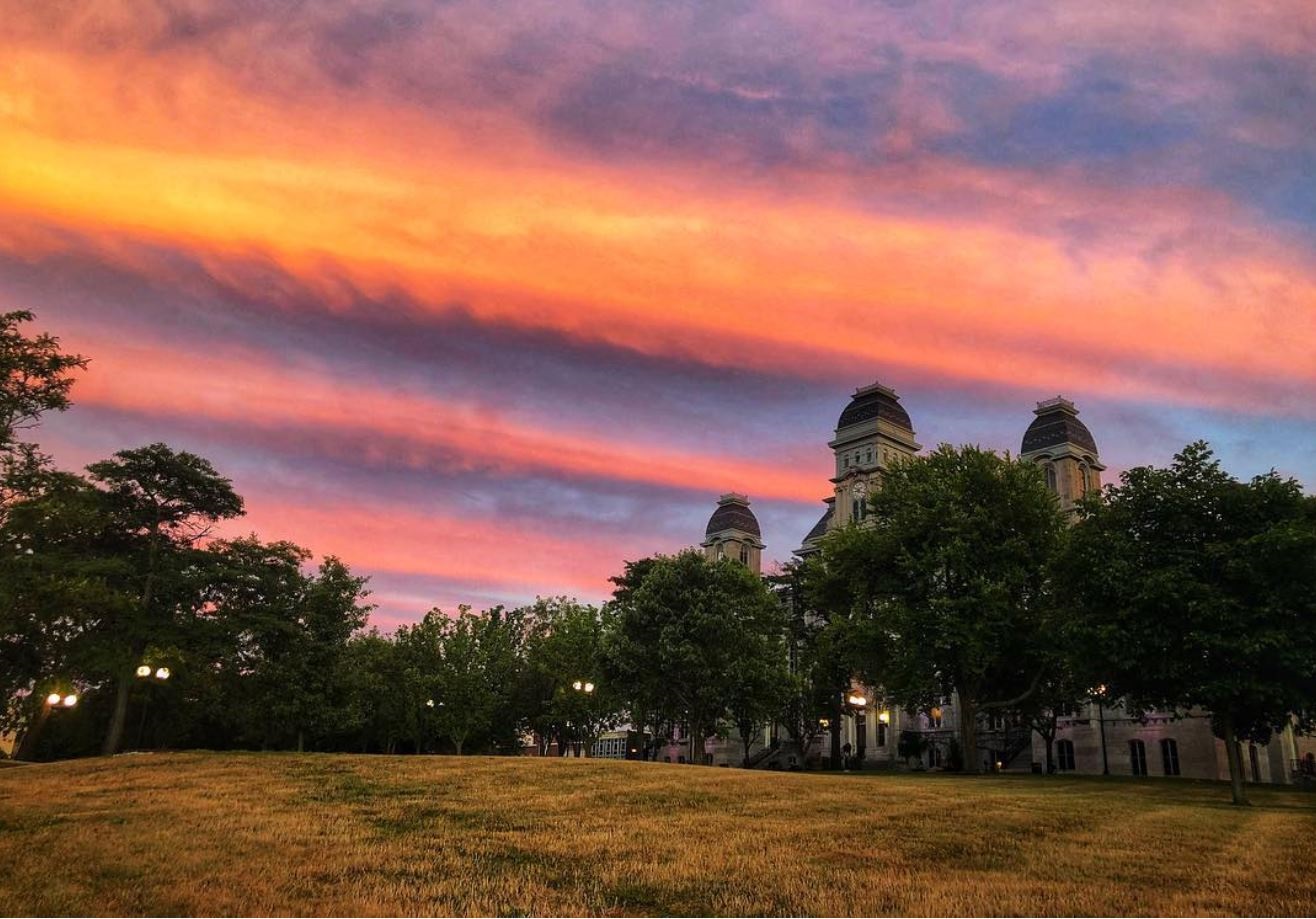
<point>872,434</point>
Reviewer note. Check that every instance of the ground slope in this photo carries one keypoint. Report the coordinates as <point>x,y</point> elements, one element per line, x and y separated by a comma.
<point>275,834</point>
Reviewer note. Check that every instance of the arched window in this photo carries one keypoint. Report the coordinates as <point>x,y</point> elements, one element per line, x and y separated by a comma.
<point>1051,476</point>
<point>721,552</point>
<point>744,554</point>
<point>1138,757</point>
<point>1065,755</point>
<point>1084,478</point>
<point>1170,755</point>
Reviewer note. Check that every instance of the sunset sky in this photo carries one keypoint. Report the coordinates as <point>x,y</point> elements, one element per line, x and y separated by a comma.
<point>486,298</point>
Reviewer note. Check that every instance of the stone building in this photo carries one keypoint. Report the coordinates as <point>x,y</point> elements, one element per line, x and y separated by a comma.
<point>873,432</point>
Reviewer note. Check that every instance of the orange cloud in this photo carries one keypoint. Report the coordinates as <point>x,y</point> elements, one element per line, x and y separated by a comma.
<point>660,261</point>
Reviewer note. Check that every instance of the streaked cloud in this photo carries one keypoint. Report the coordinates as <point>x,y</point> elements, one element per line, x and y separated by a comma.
<point>636,254</point>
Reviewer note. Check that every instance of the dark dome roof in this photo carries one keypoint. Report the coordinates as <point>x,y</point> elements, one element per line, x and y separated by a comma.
<point>1054,427</point>
<point>733,516</point>
<point>875,402</point>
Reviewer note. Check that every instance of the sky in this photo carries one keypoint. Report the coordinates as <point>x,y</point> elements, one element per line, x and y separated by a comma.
<point>488,298</point>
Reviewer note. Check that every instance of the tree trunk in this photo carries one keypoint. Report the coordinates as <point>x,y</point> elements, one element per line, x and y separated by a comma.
<point>696,745</point>
<point>119,717</point>
<point>458,741</point>
<point>748,741</point>
<point>969,736</point>
<point>1050,763</point>
<point>301,741</point>
<point>1237,783</point>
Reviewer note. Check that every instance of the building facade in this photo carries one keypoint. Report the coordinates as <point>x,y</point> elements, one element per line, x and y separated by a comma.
<point>875,431</point>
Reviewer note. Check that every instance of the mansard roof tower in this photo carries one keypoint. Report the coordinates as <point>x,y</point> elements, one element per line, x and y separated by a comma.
<point>873,432</point>
<point>733,532</point>
<point>1065,447</point>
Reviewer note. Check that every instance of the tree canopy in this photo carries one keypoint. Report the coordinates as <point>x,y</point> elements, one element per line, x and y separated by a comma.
<point>946,582</point>
<point>1192,589</point>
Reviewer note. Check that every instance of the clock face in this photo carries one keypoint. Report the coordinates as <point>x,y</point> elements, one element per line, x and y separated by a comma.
<point>860,489</point>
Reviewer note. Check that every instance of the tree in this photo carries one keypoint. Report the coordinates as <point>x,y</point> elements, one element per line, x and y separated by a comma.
<point>685,627</point>
<point>759,687</point>
<point>284,636</point>
<point>162,503</point>
<point>35,376</point>
<point>59,582</point>
<point>1197,590</point>
<point>947,578</point>
<point>475,677</point>
<point>564,651</point>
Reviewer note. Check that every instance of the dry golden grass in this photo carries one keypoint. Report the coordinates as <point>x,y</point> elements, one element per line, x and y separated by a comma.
<point>257,834</point>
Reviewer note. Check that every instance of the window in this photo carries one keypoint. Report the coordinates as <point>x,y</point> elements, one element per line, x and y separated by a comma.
<point>721,552</point>
<point>1066,710</point>
<point>1083,479</point>
<point>744,554</point>
<point>934,757</point>
<point>881,734</point>
<point>1065,755</point>
<point>1138,757</point>
<point>846,461</point>
<point>1051,476</point>
<point>934,718</point>
<point>1170,756</point>
<point>857,509</point>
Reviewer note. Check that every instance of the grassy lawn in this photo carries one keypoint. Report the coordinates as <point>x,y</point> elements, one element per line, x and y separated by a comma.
<point>274,834</point>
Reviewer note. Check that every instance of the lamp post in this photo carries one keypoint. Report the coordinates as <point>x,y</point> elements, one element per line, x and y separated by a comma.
<point>151,675</point>
<point>856,704</point>
<point>1100,695</point>
<point>53,702</point>
<point>586,688</point>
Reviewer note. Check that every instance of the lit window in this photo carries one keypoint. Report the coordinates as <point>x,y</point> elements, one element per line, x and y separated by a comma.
<point>1065,755</point>
<point>1138,757</point>
<point>934,718</point>
<point>1170,756</point>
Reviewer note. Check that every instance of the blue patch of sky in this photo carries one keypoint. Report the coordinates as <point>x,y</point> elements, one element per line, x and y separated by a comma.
<point>1097,116</point>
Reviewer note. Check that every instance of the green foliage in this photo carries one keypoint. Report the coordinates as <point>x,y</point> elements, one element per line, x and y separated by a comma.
<point>945,583</point>
<point>1191,588</point>
<point>35,376</point>
<point>688,634</point>
<point>564,658</point>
